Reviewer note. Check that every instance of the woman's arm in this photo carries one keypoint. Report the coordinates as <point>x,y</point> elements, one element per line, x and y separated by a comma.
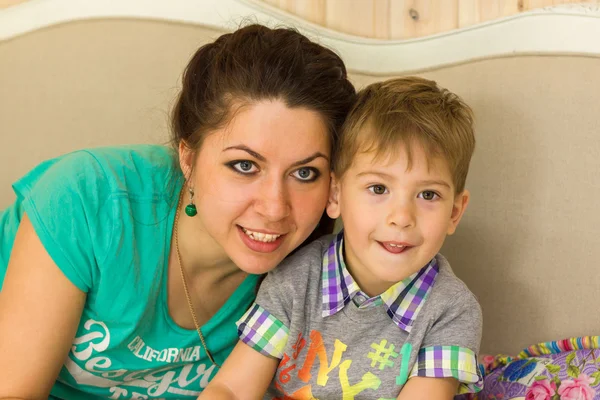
<point>422,388</point>
<point>246,374</point>
<point>39,314</point>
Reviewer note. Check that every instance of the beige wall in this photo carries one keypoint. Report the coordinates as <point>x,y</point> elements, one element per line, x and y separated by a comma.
<point>528,244</point>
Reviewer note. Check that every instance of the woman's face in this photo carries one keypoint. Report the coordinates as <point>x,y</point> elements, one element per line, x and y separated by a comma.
<point>261,183</point>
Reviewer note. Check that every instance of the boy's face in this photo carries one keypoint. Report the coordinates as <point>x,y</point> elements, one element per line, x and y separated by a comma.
<point>395,219</point>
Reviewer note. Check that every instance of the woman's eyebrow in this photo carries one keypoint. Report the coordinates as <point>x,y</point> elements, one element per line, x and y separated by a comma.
<point>262,158</point>
<point>309,159</point>
<point>247,150</point>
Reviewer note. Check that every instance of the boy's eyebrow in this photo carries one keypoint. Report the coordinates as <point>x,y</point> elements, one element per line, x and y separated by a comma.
<point>390,177</point>
<point>434,182</point>
<point>377,173</point>
<point>262,158</point>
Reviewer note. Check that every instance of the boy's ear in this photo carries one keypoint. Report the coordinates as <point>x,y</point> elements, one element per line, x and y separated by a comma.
<point>333,204</point>
<point>461,201</point>
<point>186,159</point>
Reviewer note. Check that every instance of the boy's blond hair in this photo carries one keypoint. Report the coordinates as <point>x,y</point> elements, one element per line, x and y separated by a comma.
<point>409,111</point>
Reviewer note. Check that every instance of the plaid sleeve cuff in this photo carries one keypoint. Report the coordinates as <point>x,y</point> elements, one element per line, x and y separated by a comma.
<point>450,362</point>
<point>262,331</point>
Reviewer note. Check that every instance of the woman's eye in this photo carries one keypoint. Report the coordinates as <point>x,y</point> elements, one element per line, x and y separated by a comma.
<point>306,174</point>
<point>428,195</point>
<point>378,189</point>
<point>244,166</point>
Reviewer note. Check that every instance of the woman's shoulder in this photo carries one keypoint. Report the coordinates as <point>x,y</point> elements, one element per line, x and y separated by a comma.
<point>143,153</point>
<point>135,163</point>
<point>132,168</point>
<point>87,205</point>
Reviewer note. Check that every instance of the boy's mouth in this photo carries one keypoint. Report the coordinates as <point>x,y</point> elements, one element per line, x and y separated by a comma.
<point>395,247</point>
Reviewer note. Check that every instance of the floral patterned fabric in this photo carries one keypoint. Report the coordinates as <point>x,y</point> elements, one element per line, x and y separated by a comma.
<point>562,370</point>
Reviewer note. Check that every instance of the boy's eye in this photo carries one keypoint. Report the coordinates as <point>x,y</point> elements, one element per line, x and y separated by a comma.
<point>306,174</point>
<point>428,195</point>
<point>378,189</point>
<point>243,166</point>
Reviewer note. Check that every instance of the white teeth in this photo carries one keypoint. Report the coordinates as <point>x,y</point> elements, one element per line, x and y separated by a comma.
<point>396,245</point>
<point>260,237</point>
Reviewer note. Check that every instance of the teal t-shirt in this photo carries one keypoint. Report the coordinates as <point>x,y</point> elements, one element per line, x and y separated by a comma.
<point>106,216</point>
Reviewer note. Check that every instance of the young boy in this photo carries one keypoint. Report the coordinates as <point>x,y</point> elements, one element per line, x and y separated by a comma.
<point>373,312</point>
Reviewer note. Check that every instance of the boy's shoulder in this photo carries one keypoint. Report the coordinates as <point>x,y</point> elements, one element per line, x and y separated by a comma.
<point>448,286</point>
<point>451,315</point>
<point>305,263</point>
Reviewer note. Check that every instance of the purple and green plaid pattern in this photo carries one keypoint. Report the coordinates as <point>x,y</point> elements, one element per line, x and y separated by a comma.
<point>338,285</point>
<point>403,301</point>
<point>262,331</point>
<point>450,362</point>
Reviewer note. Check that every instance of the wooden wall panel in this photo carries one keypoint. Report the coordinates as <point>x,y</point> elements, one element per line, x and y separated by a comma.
<point>366,18</point>
<point>8,3</point>
<point>381,20</point>
<point>405,19</point>
<point>311,10</point>
<point>494,9</point>
<point>416,18</point>
<point>468,13</point>
<point>399,19</point>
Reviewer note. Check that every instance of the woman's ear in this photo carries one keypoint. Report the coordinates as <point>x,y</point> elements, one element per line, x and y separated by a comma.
<point>461,201</point>
<point>333,204</point>
<point>186,159</point>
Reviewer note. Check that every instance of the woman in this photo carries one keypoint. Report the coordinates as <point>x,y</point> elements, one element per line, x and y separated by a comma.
<point>129,266</point>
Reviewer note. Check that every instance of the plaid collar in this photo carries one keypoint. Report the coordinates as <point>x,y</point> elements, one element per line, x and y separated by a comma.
<point>403,301</point>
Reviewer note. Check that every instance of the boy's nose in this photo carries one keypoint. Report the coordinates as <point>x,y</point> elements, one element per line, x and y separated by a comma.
<point>273,202</point>
<point>402,215</point>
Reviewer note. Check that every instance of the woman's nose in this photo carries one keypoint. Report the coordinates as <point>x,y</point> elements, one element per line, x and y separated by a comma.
<point>273,201</point>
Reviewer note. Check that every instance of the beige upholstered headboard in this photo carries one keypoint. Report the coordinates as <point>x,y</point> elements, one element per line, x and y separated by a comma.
<point>528,245</point>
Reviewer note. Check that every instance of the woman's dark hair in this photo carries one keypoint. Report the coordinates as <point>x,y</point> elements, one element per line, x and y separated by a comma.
<point>257,63</point>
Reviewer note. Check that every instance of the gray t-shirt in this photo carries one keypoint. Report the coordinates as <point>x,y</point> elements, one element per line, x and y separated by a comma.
<point>307,314</point>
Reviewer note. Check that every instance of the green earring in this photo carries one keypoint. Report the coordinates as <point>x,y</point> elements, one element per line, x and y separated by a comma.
<point>190,209</point>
